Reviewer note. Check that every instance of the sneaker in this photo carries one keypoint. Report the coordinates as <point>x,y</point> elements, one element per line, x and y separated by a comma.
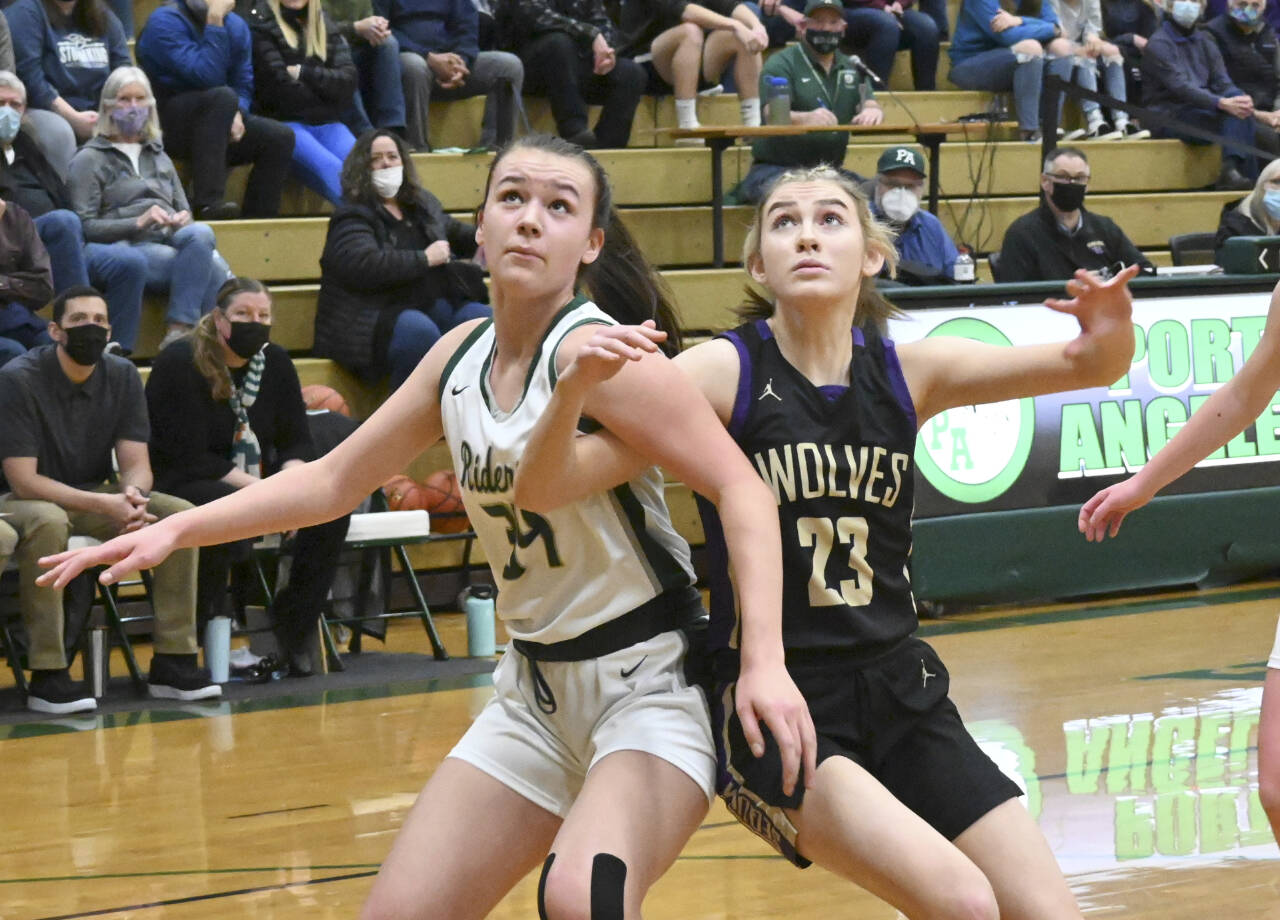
<point>1075,135</point>
<point>1135,133</point>
<point>1231,180</point>
<point>54,692</point>
<point>176,677</point>
<point>716,90</point>
<point>242,657</point>
<point>1104,132</point>
<point>175,332</point>
<point>115,348</point>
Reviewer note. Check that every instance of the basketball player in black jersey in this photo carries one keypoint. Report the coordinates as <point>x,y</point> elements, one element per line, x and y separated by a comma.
<point>904,803</point>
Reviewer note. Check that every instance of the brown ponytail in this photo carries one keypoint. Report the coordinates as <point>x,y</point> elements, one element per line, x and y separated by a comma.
<point>206,343</point>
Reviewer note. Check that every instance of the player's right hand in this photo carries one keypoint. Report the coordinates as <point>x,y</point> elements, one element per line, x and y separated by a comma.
<point>130,552</point>
<point>608,351</point>
<point>1102,515</point>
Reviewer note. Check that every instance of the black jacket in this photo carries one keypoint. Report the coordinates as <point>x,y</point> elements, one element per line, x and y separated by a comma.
<point>192,435</point>
<point>1233,223</point>
<point>1036,249</point>
<point>324,89</point>
<point>31,181</point>
<point>521,21</point>
<point>1250,59</point>
<point>374,266</point>
<point>1123,19</point>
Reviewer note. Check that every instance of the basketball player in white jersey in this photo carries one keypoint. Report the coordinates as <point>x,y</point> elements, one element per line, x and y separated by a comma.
<point>595,758</point>
<point>904,802</point>
<point>1237,404</point>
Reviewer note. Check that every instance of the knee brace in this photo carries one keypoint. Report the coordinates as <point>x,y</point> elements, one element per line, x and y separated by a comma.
<point>608,881</point>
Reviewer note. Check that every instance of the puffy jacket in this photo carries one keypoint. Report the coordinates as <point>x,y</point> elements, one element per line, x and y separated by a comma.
<point>324,89</point>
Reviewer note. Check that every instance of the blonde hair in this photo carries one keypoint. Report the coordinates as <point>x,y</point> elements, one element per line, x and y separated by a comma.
<point>316,40</point>
<point>1252,208</point>
<point>117,80</point>
<point>872,311</point>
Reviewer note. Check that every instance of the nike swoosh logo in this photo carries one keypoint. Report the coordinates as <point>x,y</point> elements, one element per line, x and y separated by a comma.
<point>626,674</point>
<point>456,390</point>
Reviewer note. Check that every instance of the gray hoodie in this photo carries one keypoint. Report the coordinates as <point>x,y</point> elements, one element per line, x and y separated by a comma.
<point>109,196</point>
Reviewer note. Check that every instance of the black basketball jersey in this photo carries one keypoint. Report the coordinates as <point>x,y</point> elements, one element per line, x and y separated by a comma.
<point>839,461</point>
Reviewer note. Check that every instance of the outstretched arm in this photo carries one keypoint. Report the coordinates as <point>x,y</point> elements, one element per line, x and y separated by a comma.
<point>945,372</point>
<point>1225,414</point>
<point>656,415</point>
<point>301,496</point>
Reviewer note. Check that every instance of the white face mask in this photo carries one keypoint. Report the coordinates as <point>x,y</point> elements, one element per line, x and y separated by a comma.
<point>899,204</point>
<point>387,181</point>
<point>1185,12</point>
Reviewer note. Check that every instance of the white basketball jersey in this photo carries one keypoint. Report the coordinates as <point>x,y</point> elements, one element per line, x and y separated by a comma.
<point>562,573</point>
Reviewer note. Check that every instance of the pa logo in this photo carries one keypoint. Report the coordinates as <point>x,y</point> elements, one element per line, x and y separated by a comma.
<point>906,156</point>
<point>973,454</point>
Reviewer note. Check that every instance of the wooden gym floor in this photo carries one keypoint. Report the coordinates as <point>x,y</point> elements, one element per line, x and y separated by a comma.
<point>1131,722</point>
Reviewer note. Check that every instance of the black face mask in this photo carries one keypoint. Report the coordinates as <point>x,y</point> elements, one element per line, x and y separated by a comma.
<point>1067,196</point>
<point>247,339</point>
<point>822,41</point>
<point>85,344</point>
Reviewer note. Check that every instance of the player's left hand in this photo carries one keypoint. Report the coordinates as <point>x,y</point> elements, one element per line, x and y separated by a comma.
<point>769,694</point>
<point>608,351</point>
<point>1103,514</point>
<point>1104,310</point>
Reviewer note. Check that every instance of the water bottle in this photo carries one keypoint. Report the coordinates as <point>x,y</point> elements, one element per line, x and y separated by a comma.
<point>779,101</point>
<point>479,606</point>
<point>963,270</point>
<point>217,648</point>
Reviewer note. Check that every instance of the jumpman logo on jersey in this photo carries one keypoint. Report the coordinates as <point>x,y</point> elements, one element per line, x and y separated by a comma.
<point>768,391</point>
<point>925,674</point>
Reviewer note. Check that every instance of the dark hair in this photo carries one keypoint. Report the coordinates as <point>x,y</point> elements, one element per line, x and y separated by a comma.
<point>73,293</point>
<point>357,184</point>
<point>206,343</point>
<point>1064,152</point>
<point>621,281</point>
<point>87,15</point>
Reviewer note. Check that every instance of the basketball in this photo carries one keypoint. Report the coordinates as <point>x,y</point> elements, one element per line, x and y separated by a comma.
<point>317,396</point>
<point>444,501</point>
<point>404,494</point>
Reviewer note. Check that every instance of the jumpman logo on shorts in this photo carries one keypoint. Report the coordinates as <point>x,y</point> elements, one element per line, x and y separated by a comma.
<point>925,674</point>
<point>768,391</point>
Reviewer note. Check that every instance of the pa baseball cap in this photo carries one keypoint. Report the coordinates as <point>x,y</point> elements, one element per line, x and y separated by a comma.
<point>814,5</point>
<point>901,158</point>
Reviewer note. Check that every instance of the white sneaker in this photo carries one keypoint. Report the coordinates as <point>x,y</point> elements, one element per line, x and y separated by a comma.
<point>243,657</point>
<point>1072,135</point>
<point>716,90</point>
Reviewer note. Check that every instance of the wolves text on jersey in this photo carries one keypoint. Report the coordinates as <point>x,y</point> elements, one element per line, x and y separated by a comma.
<point>484,477</point>
<point>806,470</point>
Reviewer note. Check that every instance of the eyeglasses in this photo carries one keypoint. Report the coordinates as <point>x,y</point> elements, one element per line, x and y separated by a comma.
<point>1069,180</point>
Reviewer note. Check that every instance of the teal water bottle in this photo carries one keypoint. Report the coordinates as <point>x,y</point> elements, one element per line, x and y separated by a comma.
<point>779,101</point>
<point>479,607</point>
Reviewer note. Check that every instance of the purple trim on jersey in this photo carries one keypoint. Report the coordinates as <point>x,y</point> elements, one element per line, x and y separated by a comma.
<point>898,382</point>
<point>742,401</point>
<point>859,340</point>
<point>833,391</point>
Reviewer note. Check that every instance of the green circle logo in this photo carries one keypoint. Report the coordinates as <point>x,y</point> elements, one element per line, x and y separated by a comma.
<point>973,454</point>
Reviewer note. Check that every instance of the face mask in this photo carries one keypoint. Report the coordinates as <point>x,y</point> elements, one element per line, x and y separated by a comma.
<point>130,120</point>
<point>1185,12</point>
<point>199,9</point>
<point>1247,16</point>
<point>899,204</point>
<point>822,41</point>
<point>247,339</point>
<point>387,181</point>
<point>1271,201</point>
<point>85,344</point>
<point>1067,196</point>
<point>10,123</point>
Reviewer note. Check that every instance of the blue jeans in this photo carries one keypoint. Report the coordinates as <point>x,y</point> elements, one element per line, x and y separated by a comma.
<point>24,331</point>
<point>415,332</point>
<point>318,154</point>
<point>188,269</point>
<point>117,270</point>
<point>998,71</point>
<point>880,35</point>
<point>1242,130</point>
<point>379,102</point>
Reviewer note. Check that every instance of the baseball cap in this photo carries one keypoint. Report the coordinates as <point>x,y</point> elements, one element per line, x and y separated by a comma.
<point>814,5</point>
<point>900,158</point>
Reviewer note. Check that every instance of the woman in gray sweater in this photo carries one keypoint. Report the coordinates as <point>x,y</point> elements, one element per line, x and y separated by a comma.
<point>126,191</point>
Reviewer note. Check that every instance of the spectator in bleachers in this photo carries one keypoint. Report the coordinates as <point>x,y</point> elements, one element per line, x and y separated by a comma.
<point>393,276</point>
<point>1270,12</point>
<point>684,45</point>
<point>879,29</point>
<point>7,60</point>
<point>440,59</point>
<point>1128,24</point>
<point>1002,46</point>
<point>65,50</point>
<point>1184,77</point>
<point>569,52</point>
<point>227,410</point>
<point>779,18</point>
<point>26,284</point>
<point>379,99</point>
<point>63,409</point>
<point>1081,23</point>
<point>825,90</point>
<point>1249,51</point>
<point>1060,236</point>
<point>926,253</point>
<point>1257,214</point>
<point>125,189</point>
<point>304,77</point>
<point>199,56</point>
<point>28,179</point>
